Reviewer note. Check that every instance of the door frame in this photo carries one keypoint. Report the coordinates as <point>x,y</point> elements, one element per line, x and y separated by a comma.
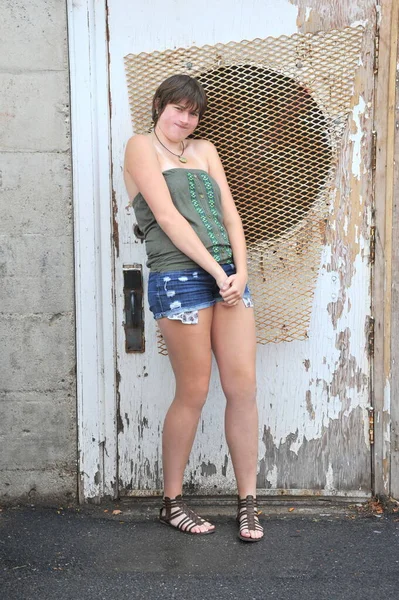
<point>385,370</point>
<point>92,201</point>
<point>93,216</point>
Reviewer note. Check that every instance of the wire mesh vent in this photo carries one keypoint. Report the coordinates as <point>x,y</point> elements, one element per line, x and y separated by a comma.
<point>277,111</point>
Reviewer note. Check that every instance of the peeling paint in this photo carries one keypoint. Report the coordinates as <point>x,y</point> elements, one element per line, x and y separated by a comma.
<point>356,136</point>
<point>329,479</point>
<point>317,465</point>
<point>386,466</point>
<point>115,226</point>
<point>309,405</point>
<point>335,310</point>
<point>271,477</point>
<point>359,23</point>
<point>387,394</point>
<point>142,423</point>
<point>347,374</point>
<point>296,443</point>
<point>224,467</point>
<point>119,421</point>
<point>318,15</point>
<point>208,470</point>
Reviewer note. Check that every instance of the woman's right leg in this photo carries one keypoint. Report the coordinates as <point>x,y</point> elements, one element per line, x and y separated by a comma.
<point>189,350</point>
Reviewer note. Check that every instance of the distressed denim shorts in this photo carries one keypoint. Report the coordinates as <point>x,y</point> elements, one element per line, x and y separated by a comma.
<point>179,295</point>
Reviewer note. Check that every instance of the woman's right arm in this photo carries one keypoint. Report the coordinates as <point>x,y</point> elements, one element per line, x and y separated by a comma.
<point>142,164</point>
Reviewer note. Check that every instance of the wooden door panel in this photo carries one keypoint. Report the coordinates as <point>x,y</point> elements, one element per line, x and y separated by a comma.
<point>313,393</point>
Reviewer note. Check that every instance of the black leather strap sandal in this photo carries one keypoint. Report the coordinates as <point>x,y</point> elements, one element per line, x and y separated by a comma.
<point>248,518</point>
<point>175,512</point>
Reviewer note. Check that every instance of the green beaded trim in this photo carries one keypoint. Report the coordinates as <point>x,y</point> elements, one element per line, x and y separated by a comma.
<point>200,211</point>
<point>211,200</point>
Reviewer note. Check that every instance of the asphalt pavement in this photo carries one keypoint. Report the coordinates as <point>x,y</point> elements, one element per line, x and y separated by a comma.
<point>314,550</point>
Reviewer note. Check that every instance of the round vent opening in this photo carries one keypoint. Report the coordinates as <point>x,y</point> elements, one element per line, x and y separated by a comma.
<point>274,143</point>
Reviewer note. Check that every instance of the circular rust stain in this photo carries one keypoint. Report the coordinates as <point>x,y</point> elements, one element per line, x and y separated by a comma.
<point>273,140</point>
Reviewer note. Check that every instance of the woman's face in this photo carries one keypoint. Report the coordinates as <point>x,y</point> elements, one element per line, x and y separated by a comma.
<point>177,121</point>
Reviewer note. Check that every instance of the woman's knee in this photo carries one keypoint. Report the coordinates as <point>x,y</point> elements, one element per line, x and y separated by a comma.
<point>241,387</point>
<point>193,391</point>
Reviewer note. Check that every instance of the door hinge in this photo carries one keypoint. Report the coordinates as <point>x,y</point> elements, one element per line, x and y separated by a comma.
<point>373,150</point>
<point>371,425</point>
<point>370,336</point>
<point>376,51</point>
<point>372,245</point>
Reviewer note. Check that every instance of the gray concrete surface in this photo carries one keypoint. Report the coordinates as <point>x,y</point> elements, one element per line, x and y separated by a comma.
<point>327,552</point>
<point>37,333</point>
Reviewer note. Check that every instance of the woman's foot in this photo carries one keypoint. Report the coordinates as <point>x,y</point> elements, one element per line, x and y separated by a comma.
<point>250,530</point>
<point>175,512</point>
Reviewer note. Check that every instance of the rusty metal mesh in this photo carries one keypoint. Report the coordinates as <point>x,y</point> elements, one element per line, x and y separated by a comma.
<point>277,111</point>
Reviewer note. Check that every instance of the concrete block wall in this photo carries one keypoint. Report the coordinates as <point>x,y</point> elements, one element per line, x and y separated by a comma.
<point>37,334</point>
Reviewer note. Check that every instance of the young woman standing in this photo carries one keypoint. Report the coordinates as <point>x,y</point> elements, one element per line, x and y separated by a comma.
<point>197,291</point>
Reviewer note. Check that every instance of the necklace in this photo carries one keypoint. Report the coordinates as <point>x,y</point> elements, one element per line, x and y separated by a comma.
<point>181,158</point>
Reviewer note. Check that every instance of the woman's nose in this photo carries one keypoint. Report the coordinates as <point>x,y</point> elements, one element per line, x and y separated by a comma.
<point>184,117</point>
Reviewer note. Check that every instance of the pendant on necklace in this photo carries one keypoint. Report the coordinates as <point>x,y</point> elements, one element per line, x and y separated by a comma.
<point>182,159</point>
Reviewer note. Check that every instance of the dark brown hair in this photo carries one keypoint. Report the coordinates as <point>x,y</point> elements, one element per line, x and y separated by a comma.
<point>175,89</point>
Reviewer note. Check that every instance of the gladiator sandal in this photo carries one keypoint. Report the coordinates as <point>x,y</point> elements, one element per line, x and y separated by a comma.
<point>187,519</point>
<point>247,518</point>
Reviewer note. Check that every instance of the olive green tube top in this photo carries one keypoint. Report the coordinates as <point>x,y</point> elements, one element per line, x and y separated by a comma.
<point>196,195</point>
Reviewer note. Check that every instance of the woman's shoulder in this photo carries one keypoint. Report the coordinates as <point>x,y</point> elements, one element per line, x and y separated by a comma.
<point>140,149</point>
<point>204,149</point>
<point>138,140</point>
<point>202,144</point>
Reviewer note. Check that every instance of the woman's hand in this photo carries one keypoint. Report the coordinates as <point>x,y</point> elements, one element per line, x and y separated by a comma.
<point>234,289</point>
<point>222,281</point>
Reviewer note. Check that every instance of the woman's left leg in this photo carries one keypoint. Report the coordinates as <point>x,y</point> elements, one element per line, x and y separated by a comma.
<point>234,346</point>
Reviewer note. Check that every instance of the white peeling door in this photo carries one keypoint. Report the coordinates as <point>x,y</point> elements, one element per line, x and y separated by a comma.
<point>313,391</point>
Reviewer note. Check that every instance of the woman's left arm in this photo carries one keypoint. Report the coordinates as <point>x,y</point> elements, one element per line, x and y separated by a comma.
<point>233,224</point>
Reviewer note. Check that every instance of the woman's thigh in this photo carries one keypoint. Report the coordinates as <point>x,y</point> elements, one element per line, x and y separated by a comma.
<point>233,339</point>
<point>189,350</point>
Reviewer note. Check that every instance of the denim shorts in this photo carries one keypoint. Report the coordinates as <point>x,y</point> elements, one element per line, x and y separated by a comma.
<point>179,295</point>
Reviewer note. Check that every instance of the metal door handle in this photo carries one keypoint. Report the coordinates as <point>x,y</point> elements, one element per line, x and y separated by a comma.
<point>134,311</point>
<point>135,314</point>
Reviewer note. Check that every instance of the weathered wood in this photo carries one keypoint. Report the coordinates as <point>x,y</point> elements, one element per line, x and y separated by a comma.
<point>93,252</point>
<point>382,280</point>
<point>318,15</point>
<point>395,291</point>
<point>313,395</point>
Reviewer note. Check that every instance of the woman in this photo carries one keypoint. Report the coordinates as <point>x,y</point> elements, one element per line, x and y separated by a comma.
<point>193,233</point>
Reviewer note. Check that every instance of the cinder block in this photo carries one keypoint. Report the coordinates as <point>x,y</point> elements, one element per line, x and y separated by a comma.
<point>36,255</point>
<point>39,430</point>
<point>36,274</point>
<point>39,352</point>
<point>32,35</point>
<point>37,366</point>
<point>47,294</point>
<point>34,111</point>
<point>36,193</point>
<point>44,486</point>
